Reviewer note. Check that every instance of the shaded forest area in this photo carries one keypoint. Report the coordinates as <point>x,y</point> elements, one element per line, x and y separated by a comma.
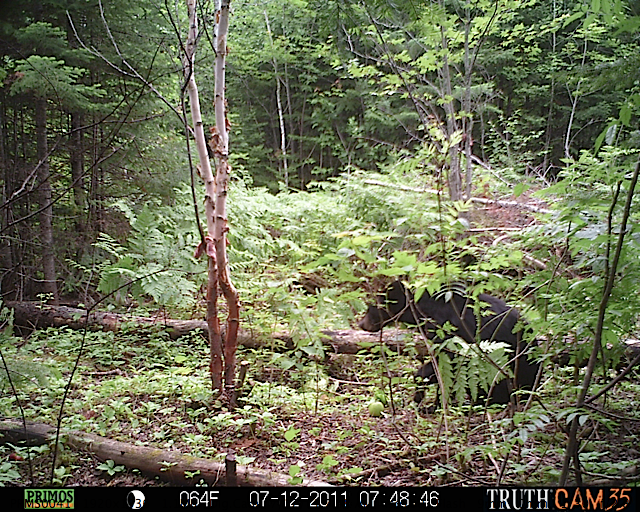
<point>468,148</point>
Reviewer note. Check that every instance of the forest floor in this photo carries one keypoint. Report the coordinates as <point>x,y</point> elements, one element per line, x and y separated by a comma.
<point>312,420</point>
<point>341,444</point>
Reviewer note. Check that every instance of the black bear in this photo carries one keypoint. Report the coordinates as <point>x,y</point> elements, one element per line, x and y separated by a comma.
<point>497,323</point>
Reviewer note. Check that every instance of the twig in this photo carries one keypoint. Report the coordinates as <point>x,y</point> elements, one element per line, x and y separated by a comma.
<point>480,200</point>
<point>572,451</point>
<point>614,381</point>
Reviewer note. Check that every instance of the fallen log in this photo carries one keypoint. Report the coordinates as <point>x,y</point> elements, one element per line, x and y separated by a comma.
<point>34,315</point>
<point>30,315</point>
<point>169,466</point>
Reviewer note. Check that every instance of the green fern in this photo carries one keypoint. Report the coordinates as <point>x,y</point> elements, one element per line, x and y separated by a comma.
<point>23,372</point>
<point>467,371</point>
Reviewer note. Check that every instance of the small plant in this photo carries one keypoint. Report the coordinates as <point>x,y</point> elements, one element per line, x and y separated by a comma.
<point>61,475</point>
<point>8,473</point>
<point>327,464</point>
<point>110,467</point>
<point>295,472</point>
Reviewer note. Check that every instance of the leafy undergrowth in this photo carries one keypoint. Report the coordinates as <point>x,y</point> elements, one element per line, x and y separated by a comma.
<point>311,420</point>
<point>305,263</point>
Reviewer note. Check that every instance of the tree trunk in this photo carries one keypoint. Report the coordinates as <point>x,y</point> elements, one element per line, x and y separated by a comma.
<point>7,271</point>
<point>283,139</point>
<point>213,323</point>
<point>546,162</point>
<point>574,105</point>
<point>223,169</point>
<point>454,176</point>
<point>76,161</point>
<point>46,215</point>
<point>467,120</point>
<point>95,197</point>
<point>216,190</point>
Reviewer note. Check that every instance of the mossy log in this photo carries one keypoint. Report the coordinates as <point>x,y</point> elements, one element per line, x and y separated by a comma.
<point>169,466</point>
<point>30,315</point>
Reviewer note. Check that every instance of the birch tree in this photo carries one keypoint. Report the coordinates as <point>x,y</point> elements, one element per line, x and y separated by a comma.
<point>283,139</point>
<point>214,244</point>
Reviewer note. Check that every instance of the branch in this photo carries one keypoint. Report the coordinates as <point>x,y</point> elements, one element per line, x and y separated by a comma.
<point>133,74</point>
<point>572,445</point>
<point>480,200</point>
<point>629,367</point>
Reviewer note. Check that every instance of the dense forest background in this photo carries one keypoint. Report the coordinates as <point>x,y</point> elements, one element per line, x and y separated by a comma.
<point>90,133</point>
<point>360,131</point>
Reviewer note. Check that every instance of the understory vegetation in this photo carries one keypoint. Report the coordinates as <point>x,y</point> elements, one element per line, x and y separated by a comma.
<point>460,147</point>
<point>304,411</point>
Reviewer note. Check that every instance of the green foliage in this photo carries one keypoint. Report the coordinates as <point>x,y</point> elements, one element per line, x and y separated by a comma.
<point>44,72</point>
<point>290,228</point>
<point>474,369</point>
<point>42,38</point>
<point>561,85</point>
<point>296,53</point>
<point>157,259</point>
<point>349,99</point>
<point>25,371</point>
<point>277,421</point>
<point>8,473</point>
<point>546,81</point>
<point>268,237</point>
<point>327,464</point>
<point>586,224</point>
<point>47,77</point>
<point>110,467</point>
<point>295,472</point>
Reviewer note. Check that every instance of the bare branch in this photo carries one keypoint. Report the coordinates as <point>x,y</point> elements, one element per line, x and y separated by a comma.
<point>133,73</point>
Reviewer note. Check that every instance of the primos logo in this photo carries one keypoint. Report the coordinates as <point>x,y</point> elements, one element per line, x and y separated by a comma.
<point>48,498</point>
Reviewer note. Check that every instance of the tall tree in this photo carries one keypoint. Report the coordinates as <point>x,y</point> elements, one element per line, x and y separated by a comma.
<point>426,56</point>
<point>46,206</point>
<point>45,78</point>
<point>108,140</point>
<point>220,143</point>
<point>278,78</point>
<point>214,244</point>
